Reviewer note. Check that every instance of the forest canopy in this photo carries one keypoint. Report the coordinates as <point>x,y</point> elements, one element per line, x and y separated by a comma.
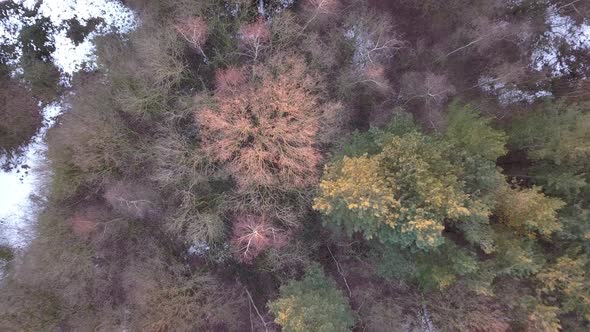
<point>312,165</point>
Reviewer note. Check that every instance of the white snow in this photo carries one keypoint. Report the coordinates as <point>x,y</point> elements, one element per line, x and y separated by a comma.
<point>562,29</point>
<point>20,187</point>
<point>115,14</point>
<point>362,44</point>
<point>69,57</point>
<point>508,93</point>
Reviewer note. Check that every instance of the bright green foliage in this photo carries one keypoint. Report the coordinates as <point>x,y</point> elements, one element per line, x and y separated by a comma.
<point>473,133</point>
<point>6,253</point>
<point>482,179</point>
<point>514,256</point>
<point>371,141</point>
<point>558,133</point>
<point>481,176</point>
<point>478,231</point>
<point>561,182</point>
<point>399,196</point>
<point>436,269</point>
<point>576,225</point>
<point>36,39</point>
<point>557,138</point>
<point>400,186</point>
<point>567,279</point>
<point>528,210</point>
<point>543,317</point>
<point>476,147</point>
<point>312,304</point>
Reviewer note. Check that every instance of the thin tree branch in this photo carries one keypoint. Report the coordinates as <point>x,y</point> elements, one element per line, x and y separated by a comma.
<point>256,308</point>
<point>339,268</point>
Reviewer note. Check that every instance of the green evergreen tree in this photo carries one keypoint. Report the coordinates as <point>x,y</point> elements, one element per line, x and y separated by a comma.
<point>313,303</point>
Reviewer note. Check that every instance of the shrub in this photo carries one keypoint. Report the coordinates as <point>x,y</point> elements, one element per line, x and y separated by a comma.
<point>471,312</point>
<point>313,303</point>
<point>177,163</point>
<point>199,302</point>
<point>25,308</point>
<point>556,132</point>
<point>198,217</point>
<point>142,71</point>
<point>20,116</point>
<point>437,269</point>
<point>514,255</point>
<point>229,80</point>
<point>160,52</point>
<point>555,137</point>
<point>543,318</point>
<point>43,78</point>
<point>567,281</point>
<point>133,200</point>
<point>51,281</point>
<point>287,206</point>
<point>88,218</point>
<point>90,144</point>
<point>190,183</point>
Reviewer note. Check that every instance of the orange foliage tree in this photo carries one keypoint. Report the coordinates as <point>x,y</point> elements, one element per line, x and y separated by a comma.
<point>229,80</point>
<point>264,131</point>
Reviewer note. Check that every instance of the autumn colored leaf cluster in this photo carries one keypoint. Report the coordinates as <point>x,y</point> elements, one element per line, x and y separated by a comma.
<point>263,131</point>
<point>401,195</point>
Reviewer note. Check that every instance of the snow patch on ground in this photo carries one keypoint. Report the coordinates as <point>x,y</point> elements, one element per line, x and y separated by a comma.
<point>68,56</point>
<point>116,16</point>
<point>510,94</point>
<point>562,29</point>
<point>20,187</point>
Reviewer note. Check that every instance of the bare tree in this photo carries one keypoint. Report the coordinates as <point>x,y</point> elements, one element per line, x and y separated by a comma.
<point>318,8</point>
<point>195,31</point>
<point>430,89</point>
<point>484,33</point>
<point>373,36</point>
<point>375,75</point>
<point>254,38</point>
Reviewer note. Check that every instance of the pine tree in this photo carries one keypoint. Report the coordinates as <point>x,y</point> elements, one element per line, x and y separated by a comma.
<point>473,133</point>
<point>312,304</point>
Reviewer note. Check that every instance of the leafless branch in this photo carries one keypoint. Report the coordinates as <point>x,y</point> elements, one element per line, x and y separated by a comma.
<point>340,271</point>
<point>256,308</point>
